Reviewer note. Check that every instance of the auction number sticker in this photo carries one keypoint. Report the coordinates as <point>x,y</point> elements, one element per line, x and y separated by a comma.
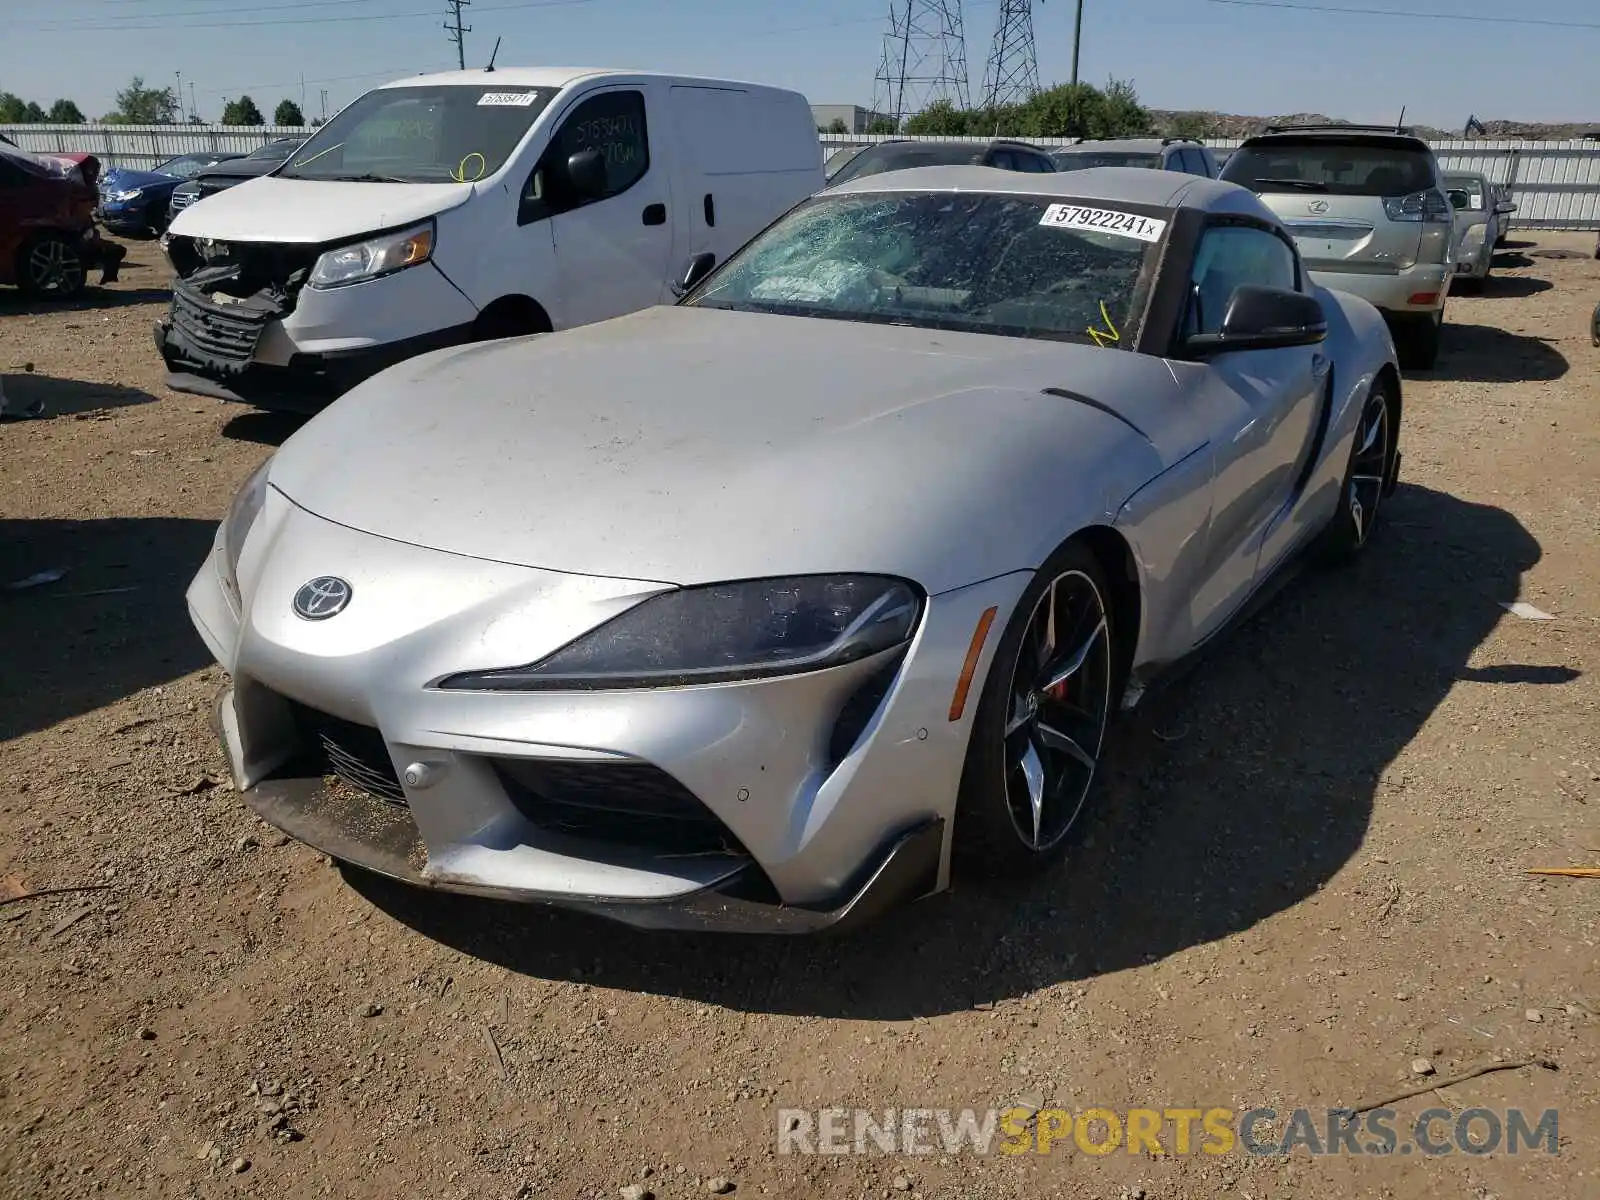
<point>1104,220</point>
<point>508,99</point>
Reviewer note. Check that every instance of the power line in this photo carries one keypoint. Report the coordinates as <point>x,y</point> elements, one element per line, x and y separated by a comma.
<point>184,16</point>
<point>1409,14</point>
<point>456,33</point>
<point>432,14</point>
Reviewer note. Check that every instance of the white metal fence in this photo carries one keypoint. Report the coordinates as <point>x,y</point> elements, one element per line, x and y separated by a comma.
<point>1556,184</point>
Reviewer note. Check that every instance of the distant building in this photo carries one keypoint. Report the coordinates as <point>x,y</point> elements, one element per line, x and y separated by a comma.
<point>856,119</point>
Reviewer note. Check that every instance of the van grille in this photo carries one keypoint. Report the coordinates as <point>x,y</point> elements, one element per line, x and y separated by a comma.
<point>219,333</point>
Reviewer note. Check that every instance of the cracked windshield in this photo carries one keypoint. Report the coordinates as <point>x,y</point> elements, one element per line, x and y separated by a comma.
<point>1015,265</point>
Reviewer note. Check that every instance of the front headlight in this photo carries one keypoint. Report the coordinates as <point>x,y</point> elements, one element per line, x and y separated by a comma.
<point>724,632</point>
<point>242,514</point>
<point>374,257</point>
<point>121,197</point>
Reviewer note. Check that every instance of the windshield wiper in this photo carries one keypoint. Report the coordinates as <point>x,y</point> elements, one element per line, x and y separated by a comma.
<point>1301,185</point>
<point>367,178</point>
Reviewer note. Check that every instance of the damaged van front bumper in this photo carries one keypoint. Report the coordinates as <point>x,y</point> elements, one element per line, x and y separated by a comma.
<point>244,325</point>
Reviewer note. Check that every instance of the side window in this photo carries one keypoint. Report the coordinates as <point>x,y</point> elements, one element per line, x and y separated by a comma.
<point>612,123</point>
<point>1175,161</point>
<point>1194,161</point>
<point>1004,160</point>
<point>13,176</point>
<point>1228,257</point>
<point>1038,164</point>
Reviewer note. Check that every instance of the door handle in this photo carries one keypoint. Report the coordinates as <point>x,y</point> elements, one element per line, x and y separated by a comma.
<point>655,214</point>
<point>711,211</point>
<point>1320,365</point>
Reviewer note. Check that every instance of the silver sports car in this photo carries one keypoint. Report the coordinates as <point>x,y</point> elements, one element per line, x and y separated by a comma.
<point>761,610</point>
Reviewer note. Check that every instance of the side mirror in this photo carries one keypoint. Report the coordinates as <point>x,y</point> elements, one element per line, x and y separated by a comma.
<point>694,272</point>
<point>1505,206</point>
<point>1263,318</point>
<point>586,175</point>
<point>1459,200</point>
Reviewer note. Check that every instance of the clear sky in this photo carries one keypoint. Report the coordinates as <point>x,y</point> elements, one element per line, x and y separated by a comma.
<point>1180,53</point>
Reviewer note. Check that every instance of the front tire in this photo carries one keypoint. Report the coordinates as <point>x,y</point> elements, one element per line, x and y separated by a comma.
<point>1368,477</point>
<point>50,268</point>
<point>1032,762</point>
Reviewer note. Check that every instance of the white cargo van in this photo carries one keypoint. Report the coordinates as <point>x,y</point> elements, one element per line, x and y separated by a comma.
<point>470,205</point>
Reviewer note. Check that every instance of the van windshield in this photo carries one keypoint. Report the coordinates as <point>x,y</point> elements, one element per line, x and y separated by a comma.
<point>427,134</point>
<point>1333,166</point>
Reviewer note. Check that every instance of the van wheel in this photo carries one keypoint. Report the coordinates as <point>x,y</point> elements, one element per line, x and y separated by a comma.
<point>510,318</point>
<point>1416,341</point>
<point>50,267</point>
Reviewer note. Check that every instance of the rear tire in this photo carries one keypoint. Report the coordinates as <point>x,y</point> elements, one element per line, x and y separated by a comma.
<point>1594,326</point>
<point>1416,340</point>
<point>1031,772</point>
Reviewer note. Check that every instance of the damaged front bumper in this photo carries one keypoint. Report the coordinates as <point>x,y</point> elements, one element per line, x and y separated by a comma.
<point>221,345</point>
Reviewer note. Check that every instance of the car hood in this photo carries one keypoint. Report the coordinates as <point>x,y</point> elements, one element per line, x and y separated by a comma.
<point>689,445</point>
<point>120,178</point>
<point>310,212</point>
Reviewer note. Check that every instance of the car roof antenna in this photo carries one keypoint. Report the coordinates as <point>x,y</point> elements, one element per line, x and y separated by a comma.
<point>1400,122</point>
<point>492,54</point>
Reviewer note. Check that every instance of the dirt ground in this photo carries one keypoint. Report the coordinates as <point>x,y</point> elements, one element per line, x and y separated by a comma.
<point>1309,871</point>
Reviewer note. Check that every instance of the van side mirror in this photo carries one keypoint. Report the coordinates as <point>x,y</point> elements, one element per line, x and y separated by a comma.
<point>694,272</point>
<point>1505,206</point>
<point>1459,200</point>
<point>1263,318</point>
<point>586,175</point>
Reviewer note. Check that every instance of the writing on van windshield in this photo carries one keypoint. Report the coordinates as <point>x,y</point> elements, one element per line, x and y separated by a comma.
<point>618,138</point>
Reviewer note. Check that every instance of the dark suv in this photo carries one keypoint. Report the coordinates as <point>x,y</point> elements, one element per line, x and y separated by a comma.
<point>1158,154</point>
<point>1367,206</point>
<point>902,155</point>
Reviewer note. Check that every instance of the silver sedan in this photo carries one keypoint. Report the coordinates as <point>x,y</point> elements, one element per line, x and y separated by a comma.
<point>770,609</point>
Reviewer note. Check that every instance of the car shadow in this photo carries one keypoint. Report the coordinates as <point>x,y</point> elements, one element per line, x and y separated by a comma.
<point>26,391</point>
<point>1517,244</point>
<point>1511,260</point>
<point>263,428</point>
<point>1230,796</point>
<point>113,624</point>
<point>1484,354</point>
<point>1513,287</point>
<point>94,298</point>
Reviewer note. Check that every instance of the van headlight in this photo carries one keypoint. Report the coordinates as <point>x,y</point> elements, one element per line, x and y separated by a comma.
<point>377,256</point>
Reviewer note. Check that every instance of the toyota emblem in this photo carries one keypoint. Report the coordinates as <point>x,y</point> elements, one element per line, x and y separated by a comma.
<point>323,597</point>
<point>1318,207</point>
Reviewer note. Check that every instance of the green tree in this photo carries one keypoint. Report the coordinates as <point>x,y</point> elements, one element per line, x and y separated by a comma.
<point>139,105</point>
<point>33,114</point>
<point>288,113</point>
<point>1063,111</point>
<point>1121,111</point>
<point>838,126</point>
<point>940,119</point>
<point>65,112</point>
<point>881,126</point>
<point>13,109</point>
<point>242,111</point>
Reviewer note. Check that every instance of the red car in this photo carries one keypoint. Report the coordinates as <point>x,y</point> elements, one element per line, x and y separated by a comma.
<point>48,239</point>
